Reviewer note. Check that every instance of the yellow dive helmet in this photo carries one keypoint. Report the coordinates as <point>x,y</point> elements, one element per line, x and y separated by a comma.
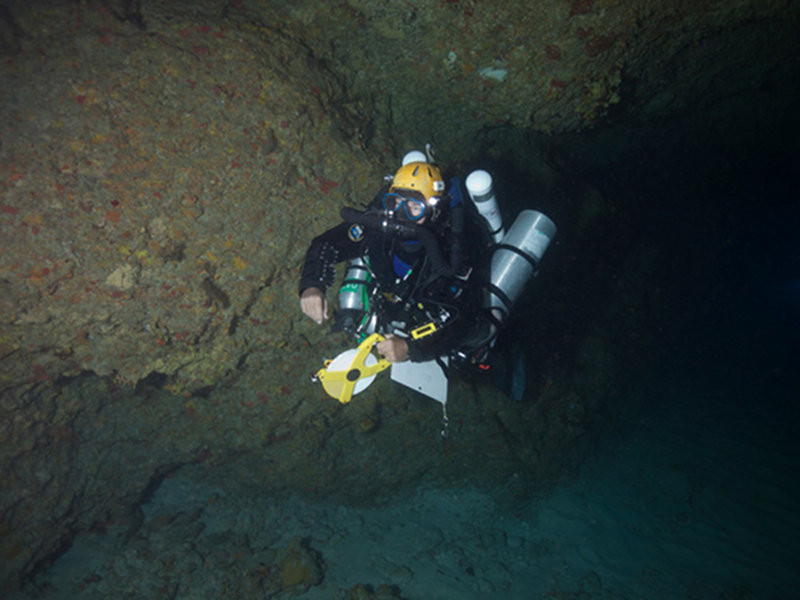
<point>420,177</point>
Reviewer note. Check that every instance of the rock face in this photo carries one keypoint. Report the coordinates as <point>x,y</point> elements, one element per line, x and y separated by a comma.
<point>163,167</point>
<point>121,145</point>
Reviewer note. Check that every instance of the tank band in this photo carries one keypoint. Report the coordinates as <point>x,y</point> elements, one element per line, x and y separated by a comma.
<point>515,250</point>
<point>478,198</point>
<point>355,281</point>
<point>494,320</point>
<point>502,295</point>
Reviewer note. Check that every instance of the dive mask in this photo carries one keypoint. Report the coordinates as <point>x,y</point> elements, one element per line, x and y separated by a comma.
<point>405,205</point>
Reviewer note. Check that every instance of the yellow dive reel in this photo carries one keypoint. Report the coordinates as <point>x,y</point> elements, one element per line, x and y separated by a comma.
<point>352,371</point>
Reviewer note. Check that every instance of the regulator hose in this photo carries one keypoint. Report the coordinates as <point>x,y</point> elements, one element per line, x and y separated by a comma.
<point>376,220</point>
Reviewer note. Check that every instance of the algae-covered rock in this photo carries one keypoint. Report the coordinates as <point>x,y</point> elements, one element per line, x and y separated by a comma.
<point>299,567</point>
<point>363,591</point>
<point>160,187</point>
<point>161,178</point>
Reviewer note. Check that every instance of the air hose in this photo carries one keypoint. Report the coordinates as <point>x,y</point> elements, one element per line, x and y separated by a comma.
<point>374,220</point>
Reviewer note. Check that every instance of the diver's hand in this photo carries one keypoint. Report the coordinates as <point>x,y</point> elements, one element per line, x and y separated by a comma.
<point>395,349</point>
<point>314,304</point>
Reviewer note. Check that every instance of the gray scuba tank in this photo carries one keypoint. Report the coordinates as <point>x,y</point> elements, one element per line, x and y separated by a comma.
<point>516,259</point>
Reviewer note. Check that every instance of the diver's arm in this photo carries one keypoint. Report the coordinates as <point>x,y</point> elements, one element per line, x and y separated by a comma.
<point>319,269</point>
<point>327,249</point>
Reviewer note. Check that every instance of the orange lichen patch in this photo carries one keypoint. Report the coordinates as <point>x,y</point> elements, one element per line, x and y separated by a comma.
<point>113,216</point>
<point>35,220</point>
<point>326,185</point>
<point>38,273</point>
<point>239,263</point>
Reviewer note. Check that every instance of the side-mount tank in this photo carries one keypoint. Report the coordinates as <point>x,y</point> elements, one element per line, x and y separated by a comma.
<point>354,308</point>
<point>516,259</point>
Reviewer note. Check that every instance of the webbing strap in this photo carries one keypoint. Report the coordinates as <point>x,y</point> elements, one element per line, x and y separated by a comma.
<point>501,294</point>
<point>515,250</point>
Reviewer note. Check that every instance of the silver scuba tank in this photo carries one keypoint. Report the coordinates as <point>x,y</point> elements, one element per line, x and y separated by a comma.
<point>516,259</point>
<point>354,313</point>
<point>353,293</point>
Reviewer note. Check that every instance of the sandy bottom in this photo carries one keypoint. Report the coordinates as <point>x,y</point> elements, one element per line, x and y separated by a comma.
<point>698,500</point>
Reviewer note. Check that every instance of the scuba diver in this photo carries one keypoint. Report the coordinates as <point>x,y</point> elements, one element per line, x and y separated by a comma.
<point>433,274</point>
<point>412,277</point>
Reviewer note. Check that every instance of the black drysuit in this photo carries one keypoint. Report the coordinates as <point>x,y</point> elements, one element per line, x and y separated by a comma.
<point>417,291</point>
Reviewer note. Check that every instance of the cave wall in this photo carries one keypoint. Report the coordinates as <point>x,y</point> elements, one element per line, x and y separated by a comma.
<point>164,165</point>
<point>122,144</point>
<point>160,183</point>
<point>673,72</point>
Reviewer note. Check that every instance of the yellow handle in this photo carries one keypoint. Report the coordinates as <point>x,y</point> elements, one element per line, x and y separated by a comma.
<point>340,384</point>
